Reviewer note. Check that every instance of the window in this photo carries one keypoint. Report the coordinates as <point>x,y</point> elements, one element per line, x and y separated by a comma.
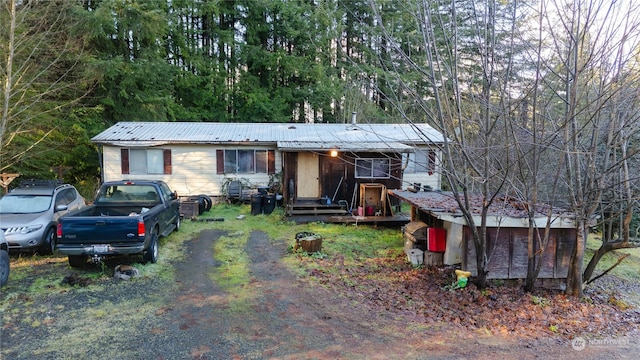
<point>145,161</point>
<point>236,161</point>
<point>373,168</point>
<point>65,197</point>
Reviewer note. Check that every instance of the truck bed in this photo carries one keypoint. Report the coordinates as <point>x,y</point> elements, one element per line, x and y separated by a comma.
<point>105,210</point>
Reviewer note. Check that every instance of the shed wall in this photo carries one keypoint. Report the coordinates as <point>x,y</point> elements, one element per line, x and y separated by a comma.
<point>508,253</point>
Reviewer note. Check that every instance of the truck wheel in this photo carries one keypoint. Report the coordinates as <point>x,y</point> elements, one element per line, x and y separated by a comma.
<point>49,242</point>
<point>151,255</point>
<point>77,261</point>
<point>4,268</point>
<point>177,223</point>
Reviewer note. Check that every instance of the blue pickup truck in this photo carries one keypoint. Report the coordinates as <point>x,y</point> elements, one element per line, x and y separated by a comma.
<point>126,218</point>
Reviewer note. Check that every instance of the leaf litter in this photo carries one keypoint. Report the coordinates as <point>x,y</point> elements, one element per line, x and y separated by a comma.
<point>391,287</point>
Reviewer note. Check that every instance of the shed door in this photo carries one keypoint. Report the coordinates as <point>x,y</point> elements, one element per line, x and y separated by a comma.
<point>308,175</point>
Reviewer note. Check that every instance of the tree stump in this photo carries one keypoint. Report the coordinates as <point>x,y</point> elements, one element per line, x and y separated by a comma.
<point>309,242</point>
<point>433,258</point>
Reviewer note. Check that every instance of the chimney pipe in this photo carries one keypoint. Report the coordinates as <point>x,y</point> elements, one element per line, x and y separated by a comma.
<point>354,114</point>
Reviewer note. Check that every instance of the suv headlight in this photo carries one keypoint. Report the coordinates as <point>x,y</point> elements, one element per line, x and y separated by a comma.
<point>23,229</point>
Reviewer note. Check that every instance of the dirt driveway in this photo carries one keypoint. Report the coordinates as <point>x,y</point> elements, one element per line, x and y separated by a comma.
<point>288,318</point>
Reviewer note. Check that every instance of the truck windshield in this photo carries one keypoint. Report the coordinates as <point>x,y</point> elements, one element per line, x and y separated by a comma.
<point>24,204</point>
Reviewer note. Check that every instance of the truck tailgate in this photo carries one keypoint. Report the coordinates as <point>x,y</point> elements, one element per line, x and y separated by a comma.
<point>99,229</point>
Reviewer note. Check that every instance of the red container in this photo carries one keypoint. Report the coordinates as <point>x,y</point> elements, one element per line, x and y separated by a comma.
<point>369,211</point>
<point>436,239</point>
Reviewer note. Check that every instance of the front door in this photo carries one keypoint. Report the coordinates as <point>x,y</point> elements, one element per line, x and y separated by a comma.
<point>308,171</point>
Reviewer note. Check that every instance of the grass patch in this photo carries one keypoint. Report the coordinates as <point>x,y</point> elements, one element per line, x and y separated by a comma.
<point>629,268</point>
<point>233,273</point>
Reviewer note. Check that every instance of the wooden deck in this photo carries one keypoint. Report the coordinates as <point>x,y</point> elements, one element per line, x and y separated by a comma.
<point>312,210</point>
<point>395,220</point>
<point>315,209</point>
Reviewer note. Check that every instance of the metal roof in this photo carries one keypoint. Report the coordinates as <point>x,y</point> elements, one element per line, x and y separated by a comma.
<point>382,136</point>
<point>344,146</point>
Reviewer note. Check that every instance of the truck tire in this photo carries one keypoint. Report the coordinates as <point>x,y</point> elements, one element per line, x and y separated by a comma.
<point>208,202</point>
<point>151,255</point>
<point>49,242</point>
<point>77,261</point>
<point>177,223</point>
<point>4,268</point>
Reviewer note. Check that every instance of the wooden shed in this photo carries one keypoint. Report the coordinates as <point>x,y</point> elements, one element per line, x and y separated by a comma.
<point>507,234</point>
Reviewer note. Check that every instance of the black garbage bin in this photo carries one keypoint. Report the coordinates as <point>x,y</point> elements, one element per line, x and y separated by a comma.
<point>268,203</point>
<point>256,204</point>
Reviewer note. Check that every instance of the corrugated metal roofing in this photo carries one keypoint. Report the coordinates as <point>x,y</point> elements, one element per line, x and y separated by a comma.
<point>382,147</point>
<point>159,133</point>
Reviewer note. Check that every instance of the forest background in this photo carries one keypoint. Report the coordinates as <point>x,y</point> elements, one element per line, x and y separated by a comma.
<point>538,98</point>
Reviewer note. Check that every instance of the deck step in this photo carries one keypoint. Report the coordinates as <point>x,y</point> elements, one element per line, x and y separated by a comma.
<point>317,212</point>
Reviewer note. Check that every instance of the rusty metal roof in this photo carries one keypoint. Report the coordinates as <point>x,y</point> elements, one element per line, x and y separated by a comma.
<point>160,133</point>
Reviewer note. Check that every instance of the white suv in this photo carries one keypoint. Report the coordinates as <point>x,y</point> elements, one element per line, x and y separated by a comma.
<point>4,260</point>
<point>29,214</point>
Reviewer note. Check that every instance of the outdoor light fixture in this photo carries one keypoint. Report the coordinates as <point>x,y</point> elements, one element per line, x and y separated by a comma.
<point>334,153</point>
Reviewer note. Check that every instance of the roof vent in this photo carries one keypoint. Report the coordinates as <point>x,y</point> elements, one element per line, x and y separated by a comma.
<point>354,124</point>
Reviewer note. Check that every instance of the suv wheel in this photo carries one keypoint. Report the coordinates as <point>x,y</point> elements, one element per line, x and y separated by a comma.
<point>4,268</point>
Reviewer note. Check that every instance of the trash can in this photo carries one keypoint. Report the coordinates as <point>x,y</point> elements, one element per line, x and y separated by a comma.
<point>416,256</point>
<point>268,203</point>
<point>256,204</point>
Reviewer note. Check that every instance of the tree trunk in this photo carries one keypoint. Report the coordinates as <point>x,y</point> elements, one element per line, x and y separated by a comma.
<point>480,240</point>
<point>574,277</point>
<point>603,249</point>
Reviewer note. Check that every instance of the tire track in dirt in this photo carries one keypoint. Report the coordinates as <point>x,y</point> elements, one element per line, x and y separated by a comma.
<point>286,320</point>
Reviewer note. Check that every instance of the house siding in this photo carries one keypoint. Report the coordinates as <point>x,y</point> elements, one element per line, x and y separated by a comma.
<point>193,169</point>
<point>424,178</point>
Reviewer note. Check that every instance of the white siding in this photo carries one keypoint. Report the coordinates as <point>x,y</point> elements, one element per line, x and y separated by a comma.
<point>453,253</point>
<point>422,178</point>
<point>410,176</point>
<point>193,169</point>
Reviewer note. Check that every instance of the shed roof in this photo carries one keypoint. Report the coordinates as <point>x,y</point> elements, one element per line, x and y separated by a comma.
<point>289,135</point>
<point>504,211</point>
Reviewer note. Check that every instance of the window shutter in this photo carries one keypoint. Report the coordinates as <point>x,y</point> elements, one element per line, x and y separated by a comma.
<point>124,161</point>
<point>220,161</point>
<point>166,155</point>
<point>271,166</point>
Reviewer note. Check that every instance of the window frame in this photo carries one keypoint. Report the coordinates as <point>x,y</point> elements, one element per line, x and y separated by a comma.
<point>262,161</point>
<point>163,161</point>
<point>373,169</point>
